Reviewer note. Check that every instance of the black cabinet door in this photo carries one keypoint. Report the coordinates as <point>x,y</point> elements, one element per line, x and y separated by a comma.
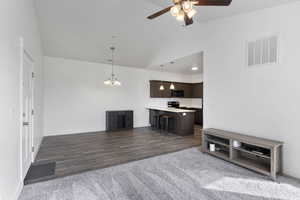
<point>111,120</point>
<point>119,120</point>
<point>199,117</point>
<point>129,119</point>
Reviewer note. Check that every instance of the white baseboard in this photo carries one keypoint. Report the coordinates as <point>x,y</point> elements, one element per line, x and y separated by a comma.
<point>18,191</point>
<point>70,132</point>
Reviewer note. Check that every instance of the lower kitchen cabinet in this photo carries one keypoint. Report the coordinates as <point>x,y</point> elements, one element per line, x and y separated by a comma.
<point>199,117</point>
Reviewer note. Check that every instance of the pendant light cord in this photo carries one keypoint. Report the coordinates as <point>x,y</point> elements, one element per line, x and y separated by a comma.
<point>112,48</point>
<point>112,61</point>
<point>162,70</point>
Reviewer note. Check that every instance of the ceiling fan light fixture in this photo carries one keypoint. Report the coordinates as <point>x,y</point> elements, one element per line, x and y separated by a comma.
<point>175,10</point>
<point>180,16</point>
<point>187,6</point>
<point>183,10</point>
<point>191,13</point>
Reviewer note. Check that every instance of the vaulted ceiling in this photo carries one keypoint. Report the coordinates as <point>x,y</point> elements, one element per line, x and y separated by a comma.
<point>183,65</point>
<point>82,29</point>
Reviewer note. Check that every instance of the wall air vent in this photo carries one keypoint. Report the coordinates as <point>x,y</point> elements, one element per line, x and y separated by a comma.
<point>263,51</point>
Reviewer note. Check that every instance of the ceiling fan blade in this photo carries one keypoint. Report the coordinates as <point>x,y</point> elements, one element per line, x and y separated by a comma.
<point>212,2</point>
<point>159,13</point>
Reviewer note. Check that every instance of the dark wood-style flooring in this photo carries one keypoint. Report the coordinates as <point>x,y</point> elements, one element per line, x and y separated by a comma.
<point>88,151</point>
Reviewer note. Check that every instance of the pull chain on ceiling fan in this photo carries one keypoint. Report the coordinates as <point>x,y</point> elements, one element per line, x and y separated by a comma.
<point>184,10</point>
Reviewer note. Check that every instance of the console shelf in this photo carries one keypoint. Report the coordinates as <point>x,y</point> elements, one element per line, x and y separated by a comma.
<point>251,152</point>
<point>218,142</point>
<point>257,154</point>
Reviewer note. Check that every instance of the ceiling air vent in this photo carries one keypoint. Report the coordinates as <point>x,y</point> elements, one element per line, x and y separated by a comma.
<point>263,51</point>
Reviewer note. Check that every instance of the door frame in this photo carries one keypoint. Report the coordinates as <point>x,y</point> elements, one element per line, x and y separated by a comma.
<point>24,52</point>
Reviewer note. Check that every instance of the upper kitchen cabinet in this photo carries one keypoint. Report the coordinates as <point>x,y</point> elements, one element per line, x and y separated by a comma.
<point>166,93</point>
<point>188,90</point>
<point>155,91</point>
<point>198,90</point>
<point>182,90</point>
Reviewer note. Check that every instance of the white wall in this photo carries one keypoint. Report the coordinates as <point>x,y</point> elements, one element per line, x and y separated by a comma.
<point>17,18</point>
<point>76,98</point>
<point>262,101</point>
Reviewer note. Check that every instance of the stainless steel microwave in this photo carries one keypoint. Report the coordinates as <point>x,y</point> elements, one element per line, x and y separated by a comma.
<point>177,93</point>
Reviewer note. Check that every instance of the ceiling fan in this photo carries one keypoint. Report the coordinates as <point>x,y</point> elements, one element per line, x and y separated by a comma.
<point>183,9</point>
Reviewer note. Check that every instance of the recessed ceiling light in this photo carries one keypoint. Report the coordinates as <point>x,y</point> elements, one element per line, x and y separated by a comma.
<point>195,68</point>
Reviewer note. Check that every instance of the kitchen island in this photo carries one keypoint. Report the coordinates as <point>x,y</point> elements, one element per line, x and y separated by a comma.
<point>181,123</point>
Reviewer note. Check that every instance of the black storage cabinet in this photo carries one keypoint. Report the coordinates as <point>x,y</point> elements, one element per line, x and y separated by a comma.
<point>119,120</point>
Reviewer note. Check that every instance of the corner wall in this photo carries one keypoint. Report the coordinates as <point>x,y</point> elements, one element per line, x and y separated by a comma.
<point>17,18</point>
<point>262,101</point>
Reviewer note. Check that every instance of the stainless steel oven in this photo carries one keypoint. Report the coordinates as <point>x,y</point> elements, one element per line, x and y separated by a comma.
<point>173,104</point>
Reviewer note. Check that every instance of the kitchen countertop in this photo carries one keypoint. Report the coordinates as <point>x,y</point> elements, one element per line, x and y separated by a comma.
<point>175,110</point>
<point>191,107</point>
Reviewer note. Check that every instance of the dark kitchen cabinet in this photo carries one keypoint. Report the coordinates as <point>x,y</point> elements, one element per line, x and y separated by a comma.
<point>179,86</point>
<point>180,124</point>
<point>189,90</point>
<point>154,89</point>
<point>166,93</point>
<point>199,117</point>
<point>119,120</point>
<point>198,114</point>
<point>155,92</point>
<point>197,90</point>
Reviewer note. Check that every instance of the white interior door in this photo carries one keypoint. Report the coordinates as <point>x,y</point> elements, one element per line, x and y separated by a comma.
<point>27,129</point>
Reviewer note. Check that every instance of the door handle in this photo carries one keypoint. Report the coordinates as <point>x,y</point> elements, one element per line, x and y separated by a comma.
<point>25,123</point>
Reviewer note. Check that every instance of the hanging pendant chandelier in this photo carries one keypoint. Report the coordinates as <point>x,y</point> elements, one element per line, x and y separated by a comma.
<point>172,86</point>
<point>112,81</point>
